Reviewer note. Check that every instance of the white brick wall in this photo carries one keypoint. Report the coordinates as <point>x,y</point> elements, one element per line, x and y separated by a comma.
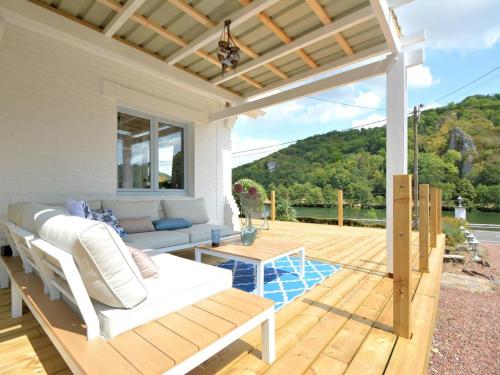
<point>58,130</point>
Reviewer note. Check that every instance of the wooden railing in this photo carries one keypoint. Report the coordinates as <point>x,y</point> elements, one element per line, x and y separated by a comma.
<point>429,210</point>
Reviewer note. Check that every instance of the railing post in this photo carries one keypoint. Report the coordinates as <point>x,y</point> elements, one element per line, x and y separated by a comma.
<point>423,232</point>
<point>340,207</point>
<point>401,236</point>
<point>440,212</point>
<point>273,205</point>
<point>433,216</point>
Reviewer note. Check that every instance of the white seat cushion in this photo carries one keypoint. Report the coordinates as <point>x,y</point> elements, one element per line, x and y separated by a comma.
<point>182,282</point>
<point>124,209</point>
<point>158,240</point>
<point>202,232</point>
<point>191,209</point>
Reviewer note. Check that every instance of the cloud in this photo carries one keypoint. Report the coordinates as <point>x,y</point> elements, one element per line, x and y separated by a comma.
<point>453,24</point>
<point>420,76</point>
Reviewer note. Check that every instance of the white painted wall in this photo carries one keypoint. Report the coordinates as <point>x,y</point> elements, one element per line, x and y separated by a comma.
<point>58,109</point>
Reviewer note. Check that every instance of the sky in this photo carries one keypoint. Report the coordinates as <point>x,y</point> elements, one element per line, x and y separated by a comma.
<point>462,43</point>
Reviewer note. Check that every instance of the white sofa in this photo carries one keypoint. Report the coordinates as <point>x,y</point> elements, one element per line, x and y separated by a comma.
<point>21,214</point>
<point>55,248</point>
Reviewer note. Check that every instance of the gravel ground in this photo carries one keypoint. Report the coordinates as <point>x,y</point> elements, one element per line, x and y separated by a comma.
<point>467,336</point>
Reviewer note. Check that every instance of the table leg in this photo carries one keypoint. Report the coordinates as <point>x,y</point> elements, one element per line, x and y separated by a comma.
<point>16,302</point>
<point>260,279</point>
<point>302,254</point>
<point>197,255</point>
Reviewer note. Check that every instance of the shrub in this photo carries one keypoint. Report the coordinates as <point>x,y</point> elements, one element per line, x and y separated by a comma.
<point>451,228</point>
<point>285,210</point>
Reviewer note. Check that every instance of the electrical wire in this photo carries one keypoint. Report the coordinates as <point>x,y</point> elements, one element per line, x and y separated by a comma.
<point>468,84</point>
<point>440,110</point>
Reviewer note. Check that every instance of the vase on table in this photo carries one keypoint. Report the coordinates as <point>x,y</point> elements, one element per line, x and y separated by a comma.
<point>248,233</point>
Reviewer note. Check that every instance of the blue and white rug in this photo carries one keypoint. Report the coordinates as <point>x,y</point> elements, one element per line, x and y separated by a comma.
<point>282,283</point>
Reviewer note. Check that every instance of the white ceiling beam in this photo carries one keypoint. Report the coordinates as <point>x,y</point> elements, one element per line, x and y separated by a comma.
<point>45,22</point>
<point>323,32</point>
<point>414,58</point>
<point>121,17</point>
<point>369,53</point>
<point>237,18</point>
<point>387,24</point>
<point>342,79</point>
<point>413,39</point>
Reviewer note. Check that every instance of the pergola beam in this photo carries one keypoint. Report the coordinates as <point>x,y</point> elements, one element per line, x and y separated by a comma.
<point>321,13</point>
<point>281,34</point>
<point>333,28</point>
<point>387,24</point>
<point>45,20</point>
<point>368,71</point>
<point>373,52</point>
<point>209,24</point>
<point>170,36</point>
<point>237,18</point>
<point>122,16</point>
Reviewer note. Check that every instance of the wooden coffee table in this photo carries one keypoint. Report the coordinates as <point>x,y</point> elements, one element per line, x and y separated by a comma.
<point>262,252</point>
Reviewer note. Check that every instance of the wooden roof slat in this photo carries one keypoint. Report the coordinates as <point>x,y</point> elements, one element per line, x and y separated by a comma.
<point>163,32</point>
<point>237,18</point>
<point>280,33</point>
<point>325,18</point>
<point>208,23</point>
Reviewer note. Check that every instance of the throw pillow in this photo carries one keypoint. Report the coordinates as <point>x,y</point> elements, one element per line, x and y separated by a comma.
<point>106,216</point>
<point>172,224</point>
<point>147,267</point>
<point>78,208</point>
<point>139,225</point>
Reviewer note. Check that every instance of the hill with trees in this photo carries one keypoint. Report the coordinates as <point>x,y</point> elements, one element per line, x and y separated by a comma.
<point>459,151</point>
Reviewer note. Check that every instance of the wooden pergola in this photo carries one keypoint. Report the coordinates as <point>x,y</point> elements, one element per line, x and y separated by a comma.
<point>289,49</point>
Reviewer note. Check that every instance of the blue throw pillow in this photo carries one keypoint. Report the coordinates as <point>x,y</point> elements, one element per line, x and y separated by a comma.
<point>171,224</point>
<point>106,216</point>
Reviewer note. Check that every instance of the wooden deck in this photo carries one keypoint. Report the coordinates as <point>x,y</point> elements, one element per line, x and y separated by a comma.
<point>342,326</point>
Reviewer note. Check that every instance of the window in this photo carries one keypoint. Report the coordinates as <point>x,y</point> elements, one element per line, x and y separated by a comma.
<point>151,154</point>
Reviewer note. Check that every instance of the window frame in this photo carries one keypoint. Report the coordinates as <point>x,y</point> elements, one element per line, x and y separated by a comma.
<point>154,122</point>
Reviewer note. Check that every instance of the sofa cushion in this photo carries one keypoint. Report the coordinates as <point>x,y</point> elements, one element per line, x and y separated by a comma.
<point>182,282</point>
<point>202,232</point>
<point>191,209</point>
<point>125,209</point>
<point>106,267</point>
<point>106,216</point>
<point>138,225</point>
<point>158,240</point>
<point>77,208</point>
<point>171,224</point>
<point>23,214</point>
<point>147,267</point>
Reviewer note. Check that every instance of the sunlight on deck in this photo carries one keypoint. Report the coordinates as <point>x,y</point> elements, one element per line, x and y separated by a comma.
<point>340,326</point>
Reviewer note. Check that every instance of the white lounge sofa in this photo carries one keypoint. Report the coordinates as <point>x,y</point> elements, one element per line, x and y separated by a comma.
<point>22,213</point>
<point>88,265</point>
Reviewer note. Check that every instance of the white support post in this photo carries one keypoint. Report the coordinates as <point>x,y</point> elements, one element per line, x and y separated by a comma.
<point>397,140</point>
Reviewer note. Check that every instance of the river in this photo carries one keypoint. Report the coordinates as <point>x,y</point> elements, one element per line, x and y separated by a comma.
<point>474,216</point>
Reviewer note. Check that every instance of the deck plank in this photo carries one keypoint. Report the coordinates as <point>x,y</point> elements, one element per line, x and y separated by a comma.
<point>331,329</point>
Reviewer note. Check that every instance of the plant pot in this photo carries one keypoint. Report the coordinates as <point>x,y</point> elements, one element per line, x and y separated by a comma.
<point>248,235</point>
